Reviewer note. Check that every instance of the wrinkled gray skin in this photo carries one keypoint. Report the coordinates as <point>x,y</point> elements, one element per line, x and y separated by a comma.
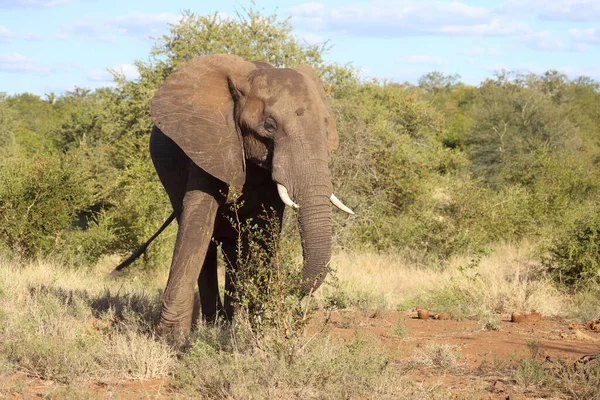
<point>223,122</point>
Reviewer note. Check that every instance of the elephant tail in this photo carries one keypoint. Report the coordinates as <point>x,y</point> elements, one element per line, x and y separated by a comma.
<point>143,247</point>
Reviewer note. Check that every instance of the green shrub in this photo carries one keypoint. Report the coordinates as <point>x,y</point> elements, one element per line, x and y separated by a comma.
<point>574,260</point>
<point>40,197</point>
<point>390,158</point>
<point>489,322</point>
<point>530,372</point>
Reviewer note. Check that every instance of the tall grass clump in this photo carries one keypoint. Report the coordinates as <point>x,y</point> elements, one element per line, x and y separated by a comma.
<point>76,327</point>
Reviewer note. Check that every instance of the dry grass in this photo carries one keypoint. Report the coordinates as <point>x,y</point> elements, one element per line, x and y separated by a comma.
<point>388,278</point>
<point>507,280</point>
<point>75,327</point>
<point>70,325</point>
<point>511,279</point>
<point>361,369</point>
<point>437,355</point>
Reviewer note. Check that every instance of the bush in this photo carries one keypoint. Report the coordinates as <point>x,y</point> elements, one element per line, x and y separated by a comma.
<point>40,197</point>
<point>390,158</point>
<point>574,260</point>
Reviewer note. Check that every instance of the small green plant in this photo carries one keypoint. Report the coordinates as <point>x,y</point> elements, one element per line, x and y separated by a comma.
<point>530,372</point>
<point>266,279</point>
<point>489,322</point>
<point>399,329</point>
<point>346,322</point>
<point>460,303</point>
<point>533,344</point>
<point>469,270</point>
<point>336,298</point>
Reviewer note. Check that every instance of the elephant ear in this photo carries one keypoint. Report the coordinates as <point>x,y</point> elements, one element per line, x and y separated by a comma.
<point>332,136</point>
<point>197,107</point>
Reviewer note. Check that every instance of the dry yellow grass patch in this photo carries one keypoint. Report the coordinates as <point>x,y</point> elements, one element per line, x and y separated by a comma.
<point>388,277</point>
<point>506,280</point>
<point>72,325</point>
<point>510,279</point>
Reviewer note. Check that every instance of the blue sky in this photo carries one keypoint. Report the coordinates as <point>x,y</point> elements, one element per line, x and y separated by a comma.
<point>55,45</point>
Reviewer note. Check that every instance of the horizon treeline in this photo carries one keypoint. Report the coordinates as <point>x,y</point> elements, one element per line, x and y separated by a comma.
<point>432,170</point>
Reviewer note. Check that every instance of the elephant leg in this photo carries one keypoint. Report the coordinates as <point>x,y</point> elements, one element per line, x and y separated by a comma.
<point>196,225</point>
<point>208,285</point>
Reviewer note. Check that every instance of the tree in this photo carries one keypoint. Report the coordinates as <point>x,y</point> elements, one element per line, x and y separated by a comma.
<point>7,120</point>
<point>435,82</point>
<point>512,126</point>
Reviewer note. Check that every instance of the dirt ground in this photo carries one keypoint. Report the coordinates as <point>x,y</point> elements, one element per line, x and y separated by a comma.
<point>476,346</point>
<point>482,354</point>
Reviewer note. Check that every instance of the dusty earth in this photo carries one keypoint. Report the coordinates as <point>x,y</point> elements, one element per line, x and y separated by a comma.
<point>482,354</point>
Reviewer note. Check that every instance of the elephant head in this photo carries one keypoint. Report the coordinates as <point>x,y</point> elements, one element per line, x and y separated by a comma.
<point>223,111</point>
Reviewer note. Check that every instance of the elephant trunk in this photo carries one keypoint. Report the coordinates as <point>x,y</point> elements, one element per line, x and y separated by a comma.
<point>315,221</point>
<point>301,169</point>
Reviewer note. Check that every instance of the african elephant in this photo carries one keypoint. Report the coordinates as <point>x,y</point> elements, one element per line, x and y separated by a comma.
<point>222,123</point>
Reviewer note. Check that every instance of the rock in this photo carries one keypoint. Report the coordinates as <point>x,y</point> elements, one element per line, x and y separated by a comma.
<point>575,326</point>
<point>423,313</point>
<point>442,316</point>
<point>498,387</point>
<point>520,318</point>
<point>593,325</point>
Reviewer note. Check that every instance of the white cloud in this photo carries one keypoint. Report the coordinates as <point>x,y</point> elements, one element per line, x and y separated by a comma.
<point>99,76</point>
<point>31,3</point>
<point>130,71</point>
<point>136,24</point>
<point>587,36</point>
<point>559,10</point>
<point>422,59</point>
<point>543,40</point>
<point>386,18</point>
<point>593,71</point>
<point>31,36</point>
<point>481,51</point>
<point>580,47</point>
<point>494,27</point>
<point>16,62</point>
<point>6,35</point>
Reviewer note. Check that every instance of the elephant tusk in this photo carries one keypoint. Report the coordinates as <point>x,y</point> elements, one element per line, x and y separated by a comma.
<point>285,197</point>
<point>336,202</point>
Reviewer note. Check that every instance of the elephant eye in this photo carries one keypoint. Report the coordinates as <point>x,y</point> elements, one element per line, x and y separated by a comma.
<point>270,125</point>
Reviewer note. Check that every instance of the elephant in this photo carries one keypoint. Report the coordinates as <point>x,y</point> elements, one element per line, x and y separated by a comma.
<point>223,124</point>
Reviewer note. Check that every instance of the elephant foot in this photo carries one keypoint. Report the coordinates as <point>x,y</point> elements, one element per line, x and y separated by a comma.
<point>174,334</point>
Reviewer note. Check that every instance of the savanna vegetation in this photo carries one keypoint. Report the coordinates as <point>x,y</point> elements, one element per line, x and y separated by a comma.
<point>478,200</point>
